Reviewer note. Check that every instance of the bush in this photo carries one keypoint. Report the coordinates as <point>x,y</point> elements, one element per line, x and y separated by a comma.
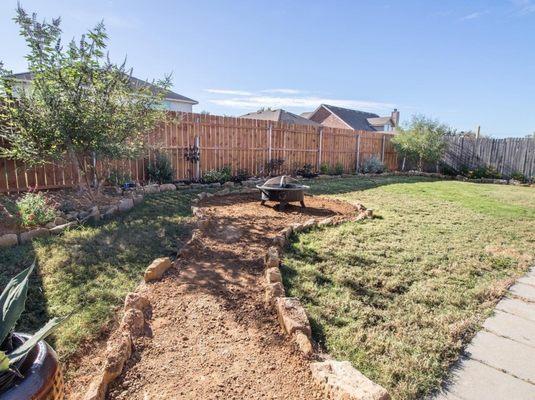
<point>274,165</point>
<point>221,175</point>
<point>373,166</point>
<point>119,178</point>
<point>338,169</point>
<point>482,172</point>
<point>34,210</point>
<point>518,176</point>
<point>324,168</point>
<point>241,175</point>
<point>160,170</point>
<point>307,171</point>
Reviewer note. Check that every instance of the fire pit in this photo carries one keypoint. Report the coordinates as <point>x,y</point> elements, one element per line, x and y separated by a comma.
<point>283,189</point>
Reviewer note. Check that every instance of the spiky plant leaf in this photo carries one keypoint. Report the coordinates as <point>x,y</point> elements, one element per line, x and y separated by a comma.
<point>12,301</point>
<point>4,362</point>
<point>41,334</point>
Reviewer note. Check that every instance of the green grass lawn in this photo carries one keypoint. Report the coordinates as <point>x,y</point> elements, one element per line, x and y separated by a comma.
<point>400,295</point>
<point>88,271</point>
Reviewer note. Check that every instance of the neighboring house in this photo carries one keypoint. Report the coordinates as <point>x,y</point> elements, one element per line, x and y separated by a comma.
<point>338,117</point>
<point>280,116</point>
<point>172,102</point>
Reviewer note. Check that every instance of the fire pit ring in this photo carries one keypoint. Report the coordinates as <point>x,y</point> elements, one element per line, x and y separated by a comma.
<point>283,189</point>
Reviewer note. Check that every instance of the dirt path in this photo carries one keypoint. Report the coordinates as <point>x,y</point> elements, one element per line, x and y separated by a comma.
<point>211,335</point>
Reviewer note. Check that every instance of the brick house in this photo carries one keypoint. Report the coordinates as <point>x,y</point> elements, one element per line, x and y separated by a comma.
<point>345,118</point>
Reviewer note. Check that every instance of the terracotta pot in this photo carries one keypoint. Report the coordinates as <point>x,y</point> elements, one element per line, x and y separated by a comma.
<point>42,376</point>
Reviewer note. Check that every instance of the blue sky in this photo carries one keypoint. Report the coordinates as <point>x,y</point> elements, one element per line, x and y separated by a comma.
<point>466,63</point>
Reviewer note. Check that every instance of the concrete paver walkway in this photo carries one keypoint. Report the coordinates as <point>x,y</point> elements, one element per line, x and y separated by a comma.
<point>500,361</point>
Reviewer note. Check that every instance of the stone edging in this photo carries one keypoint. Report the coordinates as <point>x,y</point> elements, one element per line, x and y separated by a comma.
<point>338,378</point>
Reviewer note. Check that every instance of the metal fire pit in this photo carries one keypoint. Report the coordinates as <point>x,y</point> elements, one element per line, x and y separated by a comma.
<point>283,189</point>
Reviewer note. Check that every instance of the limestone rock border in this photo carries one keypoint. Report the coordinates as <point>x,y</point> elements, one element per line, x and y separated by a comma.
<point>339,379</point>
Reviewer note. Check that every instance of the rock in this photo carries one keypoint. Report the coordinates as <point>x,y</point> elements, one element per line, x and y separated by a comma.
<point>228,184</point>
<point>304,343</point>
<point>196,185</point>
<point>309,224</point>
<point>157,269</point>
<point>273,275</point>
<point>134,322</point>
<point>151,188</point>
<point>279,241</point>
<point>343,382</point>
<point>514,182</point>
<point>195,201</point>
<point>8,240</point>
<point>110,212</point>
<point>214,185</point>
<point>72,216</point>
<point>50,225</point>
<point>272,259</point>
<point>369,213</point>
<point>125,205</point>
<point>292,316</point>
<point>29,235</point>
<point>93,215</point>
<point>60,228</point>
<point>137,199</point>
<point>223,192</point>
<point>326,222</point>
<point>60,221</point>
<point>273,291</point>
<point>166,187</point>
<point>287,232</point>
<point>202,195</point>
<point>136,301</point>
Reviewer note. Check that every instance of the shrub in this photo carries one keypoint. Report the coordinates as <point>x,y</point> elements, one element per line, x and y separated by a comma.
<point>119,178</point>
<point>518,176</point>
<point>241,175</point>
<point>34,210</point>
<point>485,171</point>
<point>338,169</point>
<point>221,175</point>
<point>160,170</point>
<point>274,165</point>
<point>373,166</point>
<point>307,171</point>
<point>324,168</point>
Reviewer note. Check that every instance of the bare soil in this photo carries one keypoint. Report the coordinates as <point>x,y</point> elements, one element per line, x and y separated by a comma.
<point>211,335</point>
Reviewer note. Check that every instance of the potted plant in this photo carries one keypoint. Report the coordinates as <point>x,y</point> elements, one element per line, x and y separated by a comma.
<point>28,366</point>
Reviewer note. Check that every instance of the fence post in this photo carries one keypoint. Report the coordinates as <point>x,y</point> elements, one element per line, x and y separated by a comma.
<point>320,146</point>
<point>270,142</point>
<point>383,149</point>
<point>197,145</point>
<point>357,166</point>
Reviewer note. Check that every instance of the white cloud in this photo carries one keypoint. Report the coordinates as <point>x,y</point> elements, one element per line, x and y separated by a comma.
<point>474,15</point>
<point>230,92</point>
<point>309,102</point>
<point>524,7</point>
<point>281,91</point>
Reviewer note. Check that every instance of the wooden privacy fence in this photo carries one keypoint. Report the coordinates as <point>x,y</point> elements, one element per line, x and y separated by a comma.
<point>241,144</point>
<point>506,155</point>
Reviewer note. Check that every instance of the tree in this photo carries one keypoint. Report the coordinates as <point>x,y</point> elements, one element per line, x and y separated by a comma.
<point>422,141</point>
<point>80,105</point>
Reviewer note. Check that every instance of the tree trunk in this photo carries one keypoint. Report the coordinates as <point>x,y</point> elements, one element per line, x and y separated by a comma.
<point>403,164</point>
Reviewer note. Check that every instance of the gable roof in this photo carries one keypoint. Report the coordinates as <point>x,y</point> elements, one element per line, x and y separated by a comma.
<point>355,119</point>
<point>380,122</point>
<point>280,116</point>
<point>169,95</point>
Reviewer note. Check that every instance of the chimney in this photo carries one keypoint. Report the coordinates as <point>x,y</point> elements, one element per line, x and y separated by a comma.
<point>395,117</point>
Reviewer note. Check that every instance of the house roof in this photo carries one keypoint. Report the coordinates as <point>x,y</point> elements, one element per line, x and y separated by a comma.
<point>306,114</point>
<point>280,116</point>
<point>357,120</point>
<point>169,95</point>
<point>380,122</point>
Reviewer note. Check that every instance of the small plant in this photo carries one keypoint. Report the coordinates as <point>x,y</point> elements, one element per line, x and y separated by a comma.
<point>324,168</point>
<point>307,171</point>
<point>34,210</point>
<point>518,176</point>
<point>373,166</point>
<point>338,169</point>
<point>274,165</point>
<point>221,175</point>
<point>241,175</point>
<point>485,171</point>
<point>12,302</point>
<point>160,170</point>
<point>119,178</point>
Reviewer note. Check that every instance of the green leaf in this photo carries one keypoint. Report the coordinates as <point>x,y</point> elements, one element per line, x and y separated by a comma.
<point>12,301</point>
<point>4,362</point>
<point>41,334</point>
